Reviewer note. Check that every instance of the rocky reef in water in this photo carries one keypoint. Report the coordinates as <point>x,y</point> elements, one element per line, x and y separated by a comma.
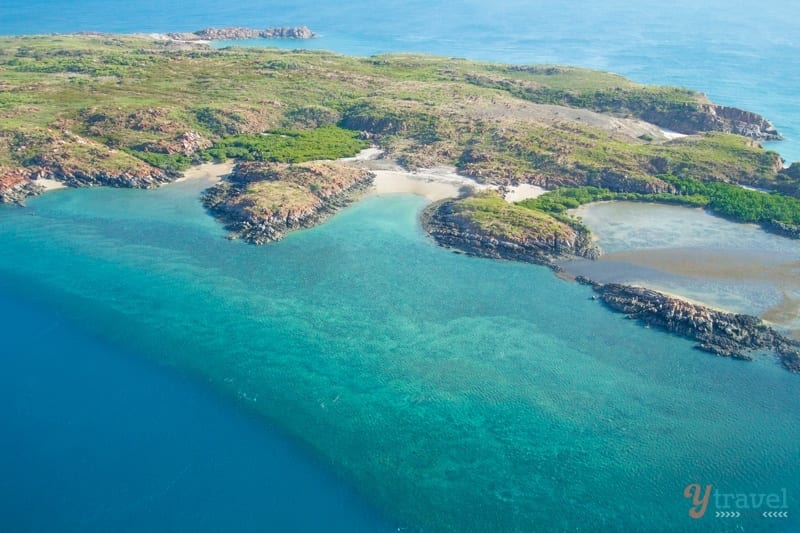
<point>486,225</point>
<point>723,334</point>
<point>261,202</point>
<point>239,34</point>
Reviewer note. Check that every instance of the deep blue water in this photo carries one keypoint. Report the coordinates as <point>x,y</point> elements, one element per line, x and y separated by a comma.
<point>441,390</point>
<point>98,440</point>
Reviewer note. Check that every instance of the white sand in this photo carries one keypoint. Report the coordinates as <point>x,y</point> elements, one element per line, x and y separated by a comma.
<point>669,134</point>
<point>523,192</point>
<point>50,185</point>
<point>367,154</point>
<point>434,184</point>
<point>208,171</point>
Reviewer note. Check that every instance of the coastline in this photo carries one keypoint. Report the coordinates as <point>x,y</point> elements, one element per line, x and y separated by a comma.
<point>513,132</point>
<point>453,392</point>
<point>48,185</point>
<point>213,172</point>
<point>716,330</point>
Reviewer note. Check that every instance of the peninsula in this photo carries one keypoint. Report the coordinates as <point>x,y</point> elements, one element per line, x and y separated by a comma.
<point>133,111</point>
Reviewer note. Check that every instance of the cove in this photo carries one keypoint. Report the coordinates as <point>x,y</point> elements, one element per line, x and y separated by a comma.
<point>738,267</point>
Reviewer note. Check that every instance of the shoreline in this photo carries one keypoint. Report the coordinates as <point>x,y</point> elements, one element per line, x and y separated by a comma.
<point>214,172</point>
<point>720,333</point>
<point>717,331</point>
<point>697,255</point>
<point>436,183</point>
<point>48,185</point>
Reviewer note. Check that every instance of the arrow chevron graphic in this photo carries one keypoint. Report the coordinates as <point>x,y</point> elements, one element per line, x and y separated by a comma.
<point>728,514</point>
<point>775,514</point>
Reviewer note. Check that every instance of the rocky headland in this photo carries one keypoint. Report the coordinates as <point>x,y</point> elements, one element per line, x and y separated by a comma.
<point>484,224</point>
<point>241,34</point>
<point>261,202</point>
<point>16,185</point>
<point>713,117</point>
<point>718,332</point>
<point>73,161</point>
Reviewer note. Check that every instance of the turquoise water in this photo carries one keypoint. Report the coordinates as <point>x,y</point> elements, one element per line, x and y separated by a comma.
<point>450,392</point>
<point>98,440</point>
<point>738,267</point>
<point>446,392</point>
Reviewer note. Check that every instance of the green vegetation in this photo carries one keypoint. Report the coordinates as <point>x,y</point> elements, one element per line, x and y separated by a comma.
<point>732,201</point>
<point>745,205</point>
<point>598,91</point>
<point>288,146</point>
<point>493,215</point>
<point>124,104</point>
<point>175,162</point>
<point>267,197</point>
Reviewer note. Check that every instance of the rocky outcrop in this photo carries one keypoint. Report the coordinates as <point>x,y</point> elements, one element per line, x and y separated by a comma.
<point>780,228</point>
<point>238,34</point>
<point>712,117</point>
<point>621,182</point>
<point>16,185</point>
<point>188,143</point>
<point>452,228</point>
<point>723,334</point>
<point>262,202</point>
<point>143,177</point>
<point>75,161</point>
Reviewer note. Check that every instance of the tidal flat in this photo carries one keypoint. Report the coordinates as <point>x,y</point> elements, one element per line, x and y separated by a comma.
<point>698,256</point>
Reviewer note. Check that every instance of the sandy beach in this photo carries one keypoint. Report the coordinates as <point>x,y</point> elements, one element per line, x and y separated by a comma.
<point>434,184</point>
<point>50,185</point>
<point>523,191</point>
<point>670,135</point>
<point>212,172</point>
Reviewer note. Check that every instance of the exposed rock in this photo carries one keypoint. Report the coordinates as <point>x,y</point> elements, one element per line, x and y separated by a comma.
<point>712,117</point>
<point>780,228</point>
<point>788,180</point>
<point>16,185</point>
<point>239,33</point>
<point>453,228</point>
<point>619,182</point>
<point>723,334</point>
<point>187,144</point>
<point>262,202</point>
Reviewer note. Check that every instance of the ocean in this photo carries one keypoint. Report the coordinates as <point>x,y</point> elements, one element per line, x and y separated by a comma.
<point>355,377</point>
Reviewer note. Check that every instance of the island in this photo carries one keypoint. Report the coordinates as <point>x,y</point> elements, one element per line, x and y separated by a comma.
<point>237,33</point>
<point>137,111</point>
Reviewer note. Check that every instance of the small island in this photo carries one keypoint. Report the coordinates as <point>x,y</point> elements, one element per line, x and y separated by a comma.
<point>137,111</point>
<point>241,34</point>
